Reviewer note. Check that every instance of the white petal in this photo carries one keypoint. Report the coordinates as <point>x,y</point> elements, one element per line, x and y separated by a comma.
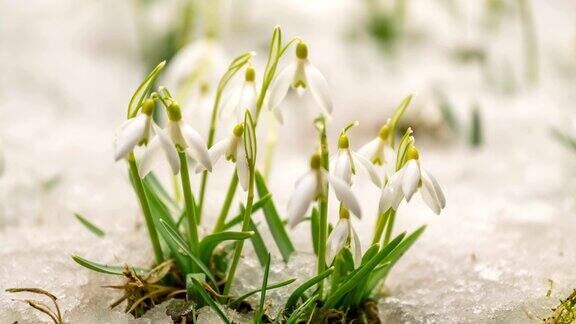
<point>319,87</point>
<point>303,195</point>
<point>337,239</point>
<point>410,178</point>
<point>216,152</point>
<point>429,196</point>
<point>390,161</point>
<point>247,101</point>
<point>370,168</point>
<point>174,130</point>
<point>391,193</point>
<point>355,245</point>
<point>278,114</point>
<point>437,188</point>
<point>196,146</point>
<point>130,133</point>
<point>280,87</point>
<point>242,168</point>
<point>346,196</point>
<point>149,158</point>
<point>230,103</point>
<point>342,168</point>
<point>370,149</point>
<point>169,149</point>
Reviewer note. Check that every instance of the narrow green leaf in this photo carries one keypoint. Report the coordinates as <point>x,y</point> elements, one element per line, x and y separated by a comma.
<point>258,314</point>
<point>159,212</point>
<point>193,283</point>
<point>185,249</point>
<point>156,186</point>
<point>309,303</point>
<point>143,90</point>
<point>91,227</point>
<point>275,224</point>
<point>394,256</point>
<point>398,114</point>
<point>564,139</point>
<point>476,128</point>
<point>103,268</point>
<point>209,242</point>
<point>298,292</point>
<point>258,243</point>
<point>360,274</point>
<point>256,207</point>
<point>234,303</point>
<point>315,228</point>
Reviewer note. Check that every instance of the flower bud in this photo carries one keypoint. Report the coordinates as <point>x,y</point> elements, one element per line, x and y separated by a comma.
<point>343,142</point>
<point>238,130</point>
<point>315,161</point>
<point>302,51</point>
<point>250,74</point>
<point>384,132</point>
<point>148,107</point>
<point>412,153</point>
<point>344,213</point>
<point>174,112</point>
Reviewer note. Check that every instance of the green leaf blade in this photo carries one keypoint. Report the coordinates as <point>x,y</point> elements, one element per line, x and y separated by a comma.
<point>89,225</point>
<point>275,224</point>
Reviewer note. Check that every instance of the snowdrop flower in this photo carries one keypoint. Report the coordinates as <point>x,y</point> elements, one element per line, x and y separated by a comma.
<point>345,161</point>
<point>311,186</point>
<point>194,67</point>
<point>342,235</point>
<point>244,98</point>
<point>407,180</point>
<point>177,136</point>
<point>232,148</point>
<point>135,131</point>
<point>300,75</point>
<point>379,151</point>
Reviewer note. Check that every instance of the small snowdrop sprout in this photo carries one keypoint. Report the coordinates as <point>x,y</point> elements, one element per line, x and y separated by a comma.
<point>302,76</point>
<point>342,235</point>
<point>232,147</point>
<point>135,131</point>
<point>344,162</point>
<point>244,98</point>
<point>406,181</point>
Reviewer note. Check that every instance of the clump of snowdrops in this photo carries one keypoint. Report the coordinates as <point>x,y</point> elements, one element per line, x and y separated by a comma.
<point>196,270</point>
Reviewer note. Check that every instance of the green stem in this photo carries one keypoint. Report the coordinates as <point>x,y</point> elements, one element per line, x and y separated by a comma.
<point>221,221</point>
<point>382,220</point>
<point>145,209</point>
<point>389,227</point>
<point>323,228</point>
<point>189,202</point>
<point>245,227</point>
<point>530,43</point>
<point>270,146</point>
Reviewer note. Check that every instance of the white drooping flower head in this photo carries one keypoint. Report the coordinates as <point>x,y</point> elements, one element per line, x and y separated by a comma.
<point>232,147</point>
<point>135,131</point>
<point>196,66</point>
<point>303,76</point>
<point>345,161</point>
<point>342,235</point>
<point>310,187</point>
<point>406,181</point>
<point>379,150</point>
<point>244,98</point>
<point>177,136</point>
